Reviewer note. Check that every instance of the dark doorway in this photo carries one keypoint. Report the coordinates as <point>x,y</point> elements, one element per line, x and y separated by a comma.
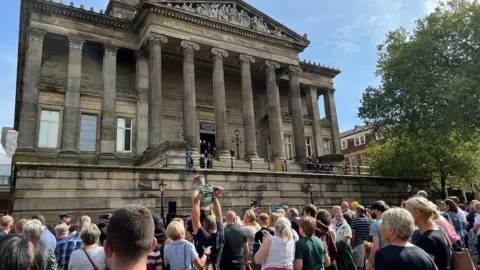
<point>207,144</point>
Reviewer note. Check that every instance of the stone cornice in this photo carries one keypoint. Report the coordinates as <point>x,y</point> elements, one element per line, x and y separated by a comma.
<point>319,69</point>
<point>113,3</point>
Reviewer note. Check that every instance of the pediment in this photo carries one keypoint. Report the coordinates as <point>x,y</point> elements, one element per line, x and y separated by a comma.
<point>237,13</point>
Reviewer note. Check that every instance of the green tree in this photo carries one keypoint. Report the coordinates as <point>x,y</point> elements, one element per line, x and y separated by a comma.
<point>429,100</point>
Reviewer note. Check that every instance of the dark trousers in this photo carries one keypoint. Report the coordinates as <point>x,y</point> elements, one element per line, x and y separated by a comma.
<point>231,266</point>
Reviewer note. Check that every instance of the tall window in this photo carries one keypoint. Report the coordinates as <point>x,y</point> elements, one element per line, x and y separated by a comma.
<point>48,134</point>
<point>288,147</point>
<point>88,132</point>
<point>308,146</point>
<point>359,140</point>
<point>124,135</point>
<point>327,146</point>
<point>344,144</point>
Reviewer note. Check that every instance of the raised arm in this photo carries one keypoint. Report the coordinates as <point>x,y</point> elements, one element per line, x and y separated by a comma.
<point>217,209</point>
<point>196,217</point>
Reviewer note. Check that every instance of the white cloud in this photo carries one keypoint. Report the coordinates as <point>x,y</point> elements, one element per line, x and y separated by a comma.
<point>430,5</point>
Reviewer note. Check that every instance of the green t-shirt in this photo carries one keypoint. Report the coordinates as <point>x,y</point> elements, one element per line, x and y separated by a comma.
<point>311,251</point>
<point>207,191</point>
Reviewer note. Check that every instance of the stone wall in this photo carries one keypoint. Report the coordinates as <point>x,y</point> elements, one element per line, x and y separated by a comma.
<point>93,190</point>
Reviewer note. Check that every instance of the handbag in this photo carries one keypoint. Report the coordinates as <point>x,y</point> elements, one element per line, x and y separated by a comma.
<point>462,260</point>
<point>89,259</point>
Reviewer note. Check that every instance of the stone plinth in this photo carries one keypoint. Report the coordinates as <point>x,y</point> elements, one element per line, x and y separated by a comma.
<point>94,190</point>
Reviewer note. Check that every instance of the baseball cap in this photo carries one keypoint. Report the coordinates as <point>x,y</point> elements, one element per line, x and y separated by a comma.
<point>355,204</point>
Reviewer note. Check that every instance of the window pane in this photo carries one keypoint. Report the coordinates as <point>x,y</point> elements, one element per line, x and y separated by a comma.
<point>52,135</point>
<point>54,116</point>
<point>43,134</point>
<point>45,115</point>
<point>120,122</point>
<point>128,123</point>
<point>120,139</point>
<point>88,132</point>
<point>128,139</point>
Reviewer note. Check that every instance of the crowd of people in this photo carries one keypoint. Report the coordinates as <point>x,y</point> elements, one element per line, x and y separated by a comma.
<point>415,235</point>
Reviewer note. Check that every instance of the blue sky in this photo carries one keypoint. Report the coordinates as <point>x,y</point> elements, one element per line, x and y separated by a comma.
<point>342,33</point>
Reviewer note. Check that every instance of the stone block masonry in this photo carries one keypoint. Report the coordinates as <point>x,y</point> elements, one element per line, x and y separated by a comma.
<point>94,190</point>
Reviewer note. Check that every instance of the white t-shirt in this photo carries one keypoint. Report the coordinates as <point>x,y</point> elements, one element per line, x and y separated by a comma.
<point>281,254</point>
<point>341,230</point>
<point>78,259</point>
<point>462,216</point>
<point>477,219</point>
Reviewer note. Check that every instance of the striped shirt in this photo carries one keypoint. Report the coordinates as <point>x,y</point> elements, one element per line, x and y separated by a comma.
<point>361,225</point>
<point>154,259</point>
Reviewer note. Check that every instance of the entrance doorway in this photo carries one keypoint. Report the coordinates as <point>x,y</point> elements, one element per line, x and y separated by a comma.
<point>207,144</point>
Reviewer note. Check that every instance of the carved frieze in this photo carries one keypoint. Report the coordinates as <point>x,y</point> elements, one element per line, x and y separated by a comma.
<point>231,14</point>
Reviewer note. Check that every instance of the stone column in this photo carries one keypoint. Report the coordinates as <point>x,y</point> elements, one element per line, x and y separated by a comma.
<point>155,90</point>
<point>274,113</point>
<point>71,113</point>
<point>220,104</point>
<point>31,80</point>
<point>297,114</point>
<point>189,99</point>
<point>248,111</point>
<point>314,113</point>
<point>109,117</point>
<point>331,112</point>
<point>141,84</point>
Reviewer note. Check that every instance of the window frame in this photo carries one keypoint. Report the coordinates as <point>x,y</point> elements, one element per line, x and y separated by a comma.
<point>96,131</point>
<point>308,145</point>
<point>59,127</point>
<point>327,142</point>
<point>379,136</point>
<point>124,129</point>
<point>359,140</point>
<point>346,144</point>
<point>290,144</point>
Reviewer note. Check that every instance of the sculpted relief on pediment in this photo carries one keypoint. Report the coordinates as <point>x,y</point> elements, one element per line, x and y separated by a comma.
<point>231,14</point>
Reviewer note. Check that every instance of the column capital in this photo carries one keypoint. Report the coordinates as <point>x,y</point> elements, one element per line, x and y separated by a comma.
<point>269,64</point>
<point>189,47</point>
<point>36,34</point>
<point>110,49</point>
<point>76,42</point>
<point>296,70</point>
<point>219,53</point>
<point>156,39</point>
<point>246,58</point>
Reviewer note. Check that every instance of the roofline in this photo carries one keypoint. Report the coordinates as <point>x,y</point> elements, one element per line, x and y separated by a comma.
<point>371,127</point>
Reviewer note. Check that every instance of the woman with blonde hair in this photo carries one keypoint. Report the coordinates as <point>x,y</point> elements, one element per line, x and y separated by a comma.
<point>277,252</point>
<point>181,254</point>
<point>432,240</point>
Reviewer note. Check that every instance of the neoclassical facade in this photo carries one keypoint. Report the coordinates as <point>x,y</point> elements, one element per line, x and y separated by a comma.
<point>107,87</point>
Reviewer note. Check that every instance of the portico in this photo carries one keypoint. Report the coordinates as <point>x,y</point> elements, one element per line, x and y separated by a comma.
<point>162,71</point>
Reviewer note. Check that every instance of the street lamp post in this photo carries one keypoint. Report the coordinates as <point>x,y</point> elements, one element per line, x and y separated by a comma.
<point>310,189</point>
<point>162,186</point>
<point>409,189</point>
<point>238,140</point>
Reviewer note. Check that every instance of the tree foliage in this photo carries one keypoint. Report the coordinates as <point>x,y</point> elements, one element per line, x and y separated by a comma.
<point>428,103</point>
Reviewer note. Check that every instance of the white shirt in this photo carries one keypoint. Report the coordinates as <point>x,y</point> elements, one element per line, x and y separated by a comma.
<point>78,259</point>
<point>341,230</point>
<point>281,254</point>
<point>462,216</point>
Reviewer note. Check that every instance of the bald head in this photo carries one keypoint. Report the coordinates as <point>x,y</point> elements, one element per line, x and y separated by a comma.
<point>336,209</point>
<point>344,206</point>
<point>231,217</point>
<point>6,223</point>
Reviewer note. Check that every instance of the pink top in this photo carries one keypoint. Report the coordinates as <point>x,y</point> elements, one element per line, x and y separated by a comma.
<point>442,222</point>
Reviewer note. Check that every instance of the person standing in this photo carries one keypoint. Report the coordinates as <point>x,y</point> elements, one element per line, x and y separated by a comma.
<point>397,228</point>
<point>360,232</point>
<point>277,252</point>
<point>376,231</point>
<point>236,250</point>
<point>33,231</point>
<point>91,256</point>
<point>310,252</point>
<point>343,236</point>
<point>61,232</point>
<point>249,228</point>
<point>6,223</point>
<point>66,246</point>
<point>453,214</point>
<point>432,240</point>
<point>48,239</point>
<point>327,235</point>
<point>348,214</point>
<point>294,217</point>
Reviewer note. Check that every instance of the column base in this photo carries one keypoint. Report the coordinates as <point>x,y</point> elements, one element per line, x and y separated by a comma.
<point>251,157</point>
<point>223,155</point>
<point>278,157</point>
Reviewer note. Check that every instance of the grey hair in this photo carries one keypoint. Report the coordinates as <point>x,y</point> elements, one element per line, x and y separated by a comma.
<point>61,229</point>
<point>83,221</point>
<point>33,230</point>
<point>401,221</point>
<point>283,227</point>
<point>293,212</point>
<point>90,234</point>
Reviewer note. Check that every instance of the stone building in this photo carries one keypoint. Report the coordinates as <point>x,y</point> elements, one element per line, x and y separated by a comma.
<point>108,102</point>
<point>102,87</point>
